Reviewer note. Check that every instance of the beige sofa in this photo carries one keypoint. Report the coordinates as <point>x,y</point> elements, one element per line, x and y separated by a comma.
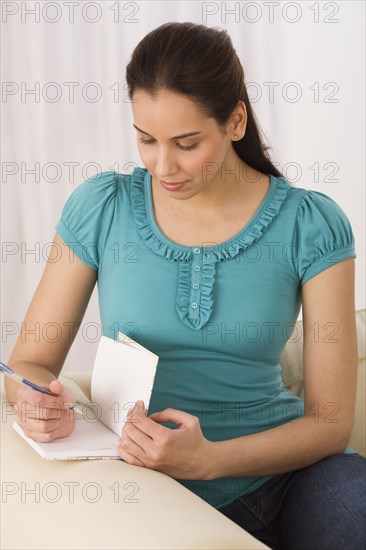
<point>111,504</point>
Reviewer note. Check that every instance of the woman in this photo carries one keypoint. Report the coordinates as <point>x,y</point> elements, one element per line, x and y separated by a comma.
<point>205,257</point>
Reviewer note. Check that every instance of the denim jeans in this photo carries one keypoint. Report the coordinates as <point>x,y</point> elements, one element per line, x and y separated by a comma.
<point>319,507</point>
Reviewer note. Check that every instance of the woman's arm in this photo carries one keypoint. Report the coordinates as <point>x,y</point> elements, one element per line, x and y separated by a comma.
<point>330,383</point>
<point>61,299</point>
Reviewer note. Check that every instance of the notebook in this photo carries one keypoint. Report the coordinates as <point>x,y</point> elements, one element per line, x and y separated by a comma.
<point>123,372</point>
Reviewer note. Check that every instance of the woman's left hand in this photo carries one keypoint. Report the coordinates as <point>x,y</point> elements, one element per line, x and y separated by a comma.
<point>182,453</point>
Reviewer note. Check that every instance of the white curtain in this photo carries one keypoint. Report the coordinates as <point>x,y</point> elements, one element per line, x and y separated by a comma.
<point>305,68</point>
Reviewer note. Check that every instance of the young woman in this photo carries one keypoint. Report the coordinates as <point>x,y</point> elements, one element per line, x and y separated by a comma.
<point>205,256</point>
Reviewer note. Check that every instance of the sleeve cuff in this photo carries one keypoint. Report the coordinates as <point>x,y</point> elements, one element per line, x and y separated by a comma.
<point>328,260</point>
<point>75,246</point>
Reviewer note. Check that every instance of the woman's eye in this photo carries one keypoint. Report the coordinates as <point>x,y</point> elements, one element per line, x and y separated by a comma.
<point>150,141</point>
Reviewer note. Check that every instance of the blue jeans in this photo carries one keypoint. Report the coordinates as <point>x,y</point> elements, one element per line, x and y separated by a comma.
<point>319,507</point>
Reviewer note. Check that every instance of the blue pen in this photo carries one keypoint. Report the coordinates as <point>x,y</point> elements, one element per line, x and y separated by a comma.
<point>9,372</point>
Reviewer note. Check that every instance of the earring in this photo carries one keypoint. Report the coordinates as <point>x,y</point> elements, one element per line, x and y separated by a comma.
<point>235,137</point>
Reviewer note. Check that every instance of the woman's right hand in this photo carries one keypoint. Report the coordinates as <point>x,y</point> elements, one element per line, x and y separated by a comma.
<point>43,417</point>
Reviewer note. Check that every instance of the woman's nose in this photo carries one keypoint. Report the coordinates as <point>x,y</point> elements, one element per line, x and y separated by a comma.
<point>165,165</point>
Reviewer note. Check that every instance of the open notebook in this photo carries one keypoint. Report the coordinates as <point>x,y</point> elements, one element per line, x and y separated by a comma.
<point>123,372</point>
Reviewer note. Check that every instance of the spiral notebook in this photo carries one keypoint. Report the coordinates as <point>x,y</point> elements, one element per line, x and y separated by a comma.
<point>123,372</point>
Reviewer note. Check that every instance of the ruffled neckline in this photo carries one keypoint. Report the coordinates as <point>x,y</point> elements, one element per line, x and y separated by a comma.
<point>142,206</point>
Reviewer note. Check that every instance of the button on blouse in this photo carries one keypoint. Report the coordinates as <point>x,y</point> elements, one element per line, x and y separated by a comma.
<point>196,314</point>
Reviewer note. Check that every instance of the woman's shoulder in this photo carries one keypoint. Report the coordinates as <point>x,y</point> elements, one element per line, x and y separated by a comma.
<point>88,213</point>
<point>323,233</point>
<point>99,188</point>
<point>316,206</point>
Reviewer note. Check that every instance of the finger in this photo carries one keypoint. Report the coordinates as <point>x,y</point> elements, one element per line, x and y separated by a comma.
<point>48,413</point>
<point>131,459</point>
<point>139,407</point>
<point>140,434</point>
<point>33,421</point>
<point>34,410</point>
<point>56,386</point>
<point>38,424</point>
<point>42,437</point>
<point>133,417</point>
<point>181,418</point>
<point>128,446</point>
<point>35,401</point>
<point>146,426</point>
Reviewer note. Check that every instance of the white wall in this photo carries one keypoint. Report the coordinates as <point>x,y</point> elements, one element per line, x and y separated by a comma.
<point>317,46</point>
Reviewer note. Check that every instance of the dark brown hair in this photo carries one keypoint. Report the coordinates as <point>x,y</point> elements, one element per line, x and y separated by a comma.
<point>201,63</point>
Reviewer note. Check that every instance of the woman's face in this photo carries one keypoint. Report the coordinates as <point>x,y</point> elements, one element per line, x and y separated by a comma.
<point>196,159</point>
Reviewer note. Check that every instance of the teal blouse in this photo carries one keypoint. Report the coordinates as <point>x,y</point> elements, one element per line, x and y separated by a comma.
<point>218,315</point>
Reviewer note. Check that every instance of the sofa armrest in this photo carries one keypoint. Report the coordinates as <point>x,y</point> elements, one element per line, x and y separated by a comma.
<point>99,504</point>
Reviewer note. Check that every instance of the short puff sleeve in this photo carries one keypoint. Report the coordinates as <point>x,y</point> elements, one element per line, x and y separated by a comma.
<point>87,216</point>
<point>323,235</point>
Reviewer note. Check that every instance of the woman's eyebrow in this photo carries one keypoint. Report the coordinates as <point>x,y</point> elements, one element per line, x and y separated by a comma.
<point>175,137</point>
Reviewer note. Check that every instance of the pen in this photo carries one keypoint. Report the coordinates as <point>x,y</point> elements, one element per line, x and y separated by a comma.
<point>9,372</point>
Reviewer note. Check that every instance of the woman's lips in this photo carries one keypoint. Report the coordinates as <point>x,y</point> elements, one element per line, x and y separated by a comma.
<point>172,187</point>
